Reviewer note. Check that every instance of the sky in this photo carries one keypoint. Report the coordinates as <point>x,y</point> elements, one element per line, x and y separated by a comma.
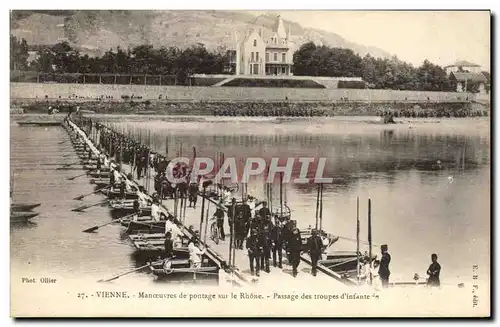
<point>443,37</point>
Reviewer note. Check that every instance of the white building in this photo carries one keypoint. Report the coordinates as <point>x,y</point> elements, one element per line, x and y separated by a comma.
<point>260,53</point>
<point>462,66</point>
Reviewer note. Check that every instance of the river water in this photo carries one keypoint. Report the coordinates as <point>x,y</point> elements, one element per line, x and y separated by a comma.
<point>416,209</point>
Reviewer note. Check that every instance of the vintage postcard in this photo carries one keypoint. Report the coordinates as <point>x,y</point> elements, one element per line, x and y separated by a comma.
<point>250,163</point>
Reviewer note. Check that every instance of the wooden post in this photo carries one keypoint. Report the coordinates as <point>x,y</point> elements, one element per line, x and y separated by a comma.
<point>370,237</point>
<point>321,207</point>
<point>317,208</point>
<point>202,209</point>
<point>233,231</point>
<point>175,203</point>
<point>281,196</point>
<point>357,237</point>
<point>231,234</point>
<point>166,146</point>
<point>206,224</point>
<point>160,80</point>
<point>114,79</point>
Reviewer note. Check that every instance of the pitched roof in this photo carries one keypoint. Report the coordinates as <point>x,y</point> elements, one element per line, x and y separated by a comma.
<point>474,77</point>
<point>463,63</point>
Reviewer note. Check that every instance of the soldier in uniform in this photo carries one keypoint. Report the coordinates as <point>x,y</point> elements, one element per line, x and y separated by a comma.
<point>265,242</point>
<point>383,270</point>
<point>294,246</point>
<point>254,252</point>
<point>314,246</point>
<point>277,243</point>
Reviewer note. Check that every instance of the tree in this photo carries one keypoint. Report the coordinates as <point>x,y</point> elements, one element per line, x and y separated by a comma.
<point>18,53</point>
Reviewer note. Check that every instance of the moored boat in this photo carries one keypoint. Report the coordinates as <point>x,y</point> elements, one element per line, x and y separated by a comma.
<point>127,206</point>
<point>112,194</point>
<point>24,206</point>
<point>21,217</point>
<point>175,266</point>
<point>99,175</point>
<point>145,226</point>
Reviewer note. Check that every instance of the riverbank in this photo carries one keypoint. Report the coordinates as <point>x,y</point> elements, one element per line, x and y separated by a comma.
<point>259,109</point>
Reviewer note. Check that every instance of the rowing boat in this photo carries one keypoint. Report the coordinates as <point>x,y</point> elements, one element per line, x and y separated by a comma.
<point>112,194</point>
<point>99,175</point>
<point>127,206</point>
<point>167,267</point>
<point>154,248</point>
<point>94,167</point>
<point>147,226</point>
<point>146,220</point>
<point>24,206</point>
<point>21,217</point>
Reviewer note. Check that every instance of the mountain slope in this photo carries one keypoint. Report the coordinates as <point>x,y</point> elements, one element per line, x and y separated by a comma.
<point>94,32</point>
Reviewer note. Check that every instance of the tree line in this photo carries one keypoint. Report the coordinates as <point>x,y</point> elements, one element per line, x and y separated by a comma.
<point>379,73</point>
<point>308,60</point>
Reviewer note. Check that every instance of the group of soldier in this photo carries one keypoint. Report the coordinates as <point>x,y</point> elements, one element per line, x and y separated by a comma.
<point>266,236</point>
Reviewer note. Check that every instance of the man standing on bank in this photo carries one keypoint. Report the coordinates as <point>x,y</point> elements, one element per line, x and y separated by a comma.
<point>433,272</point>
<point>314,246</point>
<point>383,270</point>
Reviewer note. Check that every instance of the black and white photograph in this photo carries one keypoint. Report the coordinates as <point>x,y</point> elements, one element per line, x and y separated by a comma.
<point>244,163</point>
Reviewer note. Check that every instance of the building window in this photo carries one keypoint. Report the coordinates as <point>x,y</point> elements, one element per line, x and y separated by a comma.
<point>252,56</point>
<point>254,43</point>
<point>256,56</point>
<point>275,56</point>
<point>256,69</point>
<point>283,57</point>
<point>267,56</point>
<point>283,70</point>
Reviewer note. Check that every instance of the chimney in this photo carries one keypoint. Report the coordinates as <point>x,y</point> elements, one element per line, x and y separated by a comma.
<point>261,32</point>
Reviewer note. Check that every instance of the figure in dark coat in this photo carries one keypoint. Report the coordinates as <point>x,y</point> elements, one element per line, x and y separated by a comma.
<point>254,252</point>
<point>433,272</point>
<point>383,270</point>
<point>294,246</point>
<point>315,247</point>
<point>277,242</point>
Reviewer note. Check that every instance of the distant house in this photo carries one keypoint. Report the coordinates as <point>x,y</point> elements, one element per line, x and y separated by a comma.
<point>463,66</point>
<point>260,54</point>
<point>462,79</point>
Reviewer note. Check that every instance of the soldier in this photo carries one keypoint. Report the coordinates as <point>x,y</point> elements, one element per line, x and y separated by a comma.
<point>193,194</point>
<point>383,270</point>
<point>265,242</point>
<point>433,272</point>
<point>246,214</point>
<point>254,252</point>
<point>219,215</point>
<point>277,243</point>
<point>314,246</point>
<point>294,246</point>
<point>264,211</point>
<point>239,229</point>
